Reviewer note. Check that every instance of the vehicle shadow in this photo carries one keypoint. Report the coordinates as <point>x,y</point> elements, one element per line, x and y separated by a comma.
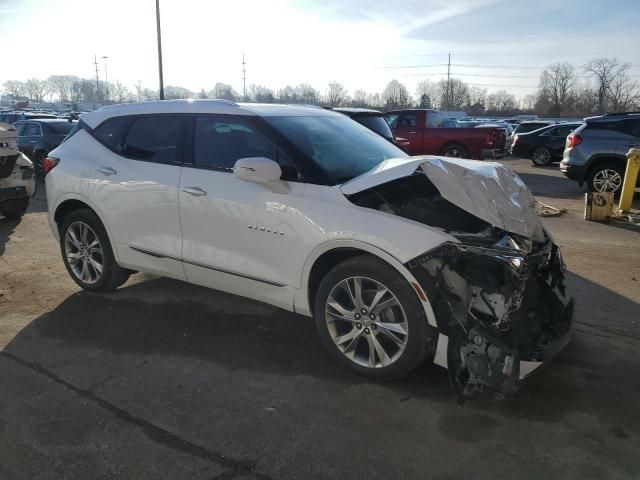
<point>7,227</point>
<point>551,185</point>
<point>200,326</point>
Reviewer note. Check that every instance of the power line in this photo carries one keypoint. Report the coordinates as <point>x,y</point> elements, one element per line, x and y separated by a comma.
<point>608,54</point>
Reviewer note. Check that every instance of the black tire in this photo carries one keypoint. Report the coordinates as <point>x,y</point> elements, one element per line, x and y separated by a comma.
<point>112,275</point>
<point>416,340</point>
<point>541,156</point>
<point>455,150</point>
<point>605,169</point>
<point>14,209</point>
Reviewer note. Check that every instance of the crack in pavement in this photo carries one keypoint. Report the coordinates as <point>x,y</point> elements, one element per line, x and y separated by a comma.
<point>152,432</point>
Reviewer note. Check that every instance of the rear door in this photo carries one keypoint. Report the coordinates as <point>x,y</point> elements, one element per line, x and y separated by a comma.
<point>134,184</point>
<point>556,138</point>
<point>630,135</point>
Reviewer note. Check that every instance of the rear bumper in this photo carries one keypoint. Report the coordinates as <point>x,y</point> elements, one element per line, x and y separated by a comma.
<point>492,154</point>
<point>574,172</point>
<point>13,193</point>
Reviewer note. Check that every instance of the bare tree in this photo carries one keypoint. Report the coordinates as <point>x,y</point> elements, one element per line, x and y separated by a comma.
<point>202,94</point>
<point>395,95</point>
<point>359,99</point>
<point>454,94</point>
<point>224,92</point>
<point>501,102</point>
<point>172,92</point>
<point>557,86</point>
<point>336,94</point>
<point>16,88</point>
<point>261,94</point>
<point>477,102</point>
<point>604,70</point>
<point>288,95</point>
<point>308,94</point>
<point>623,93</point>
<point>427,94</point>
<point>35,89</point>
<point>120,92</point>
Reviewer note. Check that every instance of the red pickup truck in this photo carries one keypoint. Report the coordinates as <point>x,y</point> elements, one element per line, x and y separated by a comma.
<point>425,135</point>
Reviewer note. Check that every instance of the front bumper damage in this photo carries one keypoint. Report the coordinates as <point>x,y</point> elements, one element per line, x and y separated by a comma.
<point>502,309</point>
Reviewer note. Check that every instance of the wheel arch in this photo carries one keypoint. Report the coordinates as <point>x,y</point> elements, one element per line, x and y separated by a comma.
<point>601,158</point>
<point>328,255</point>
<point>70,203</point>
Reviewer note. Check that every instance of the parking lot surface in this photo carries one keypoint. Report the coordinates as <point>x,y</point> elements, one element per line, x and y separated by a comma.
<point>161,379</point>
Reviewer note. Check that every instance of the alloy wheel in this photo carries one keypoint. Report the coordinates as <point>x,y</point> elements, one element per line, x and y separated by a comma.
<point>366,322</point>
<point>83,252</point>
<point>453,152</point>
<point>541,156</point>
<point>607,181</point>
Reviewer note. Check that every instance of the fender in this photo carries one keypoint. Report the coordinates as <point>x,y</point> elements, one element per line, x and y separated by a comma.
<point>301,297</point>
<point>93,206</point>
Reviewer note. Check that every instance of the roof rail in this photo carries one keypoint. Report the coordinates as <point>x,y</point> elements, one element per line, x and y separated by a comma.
<point>230,102</point>
<point>616,114</point>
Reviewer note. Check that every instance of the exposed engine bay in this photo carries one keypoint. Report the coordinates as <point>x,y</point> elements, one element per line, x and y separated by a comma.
<point>499,297</point>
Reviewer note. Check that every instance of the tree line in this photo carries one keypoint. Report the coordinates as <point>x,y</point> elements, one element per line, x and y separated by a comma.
<point>600,85</point>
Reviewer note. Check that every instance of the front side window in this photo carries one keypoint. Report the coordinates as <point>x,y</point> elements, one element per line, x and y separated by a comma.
<point>377,124</point>
<point>340,147</point>
<point>220,143</point>
<point>153,138</point>
<point>408,120</point>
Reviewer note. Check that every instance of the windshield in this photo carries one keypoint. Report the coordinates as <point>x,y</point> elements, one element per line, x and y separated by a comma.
<point>377,124</point>
<point>342,148</point>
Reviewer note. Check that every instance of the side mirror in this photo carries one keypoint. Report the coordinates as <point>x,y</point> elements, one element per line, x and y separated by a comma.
<point>257,170</point>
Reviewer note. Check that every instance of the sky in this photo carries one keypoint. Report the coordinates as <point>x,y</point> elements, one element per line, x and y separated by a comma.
<point>363,44</point>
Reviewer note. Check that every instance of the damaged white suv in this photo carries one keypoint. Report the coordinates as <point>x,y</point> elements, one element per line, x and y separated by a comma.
<point>398,259</point>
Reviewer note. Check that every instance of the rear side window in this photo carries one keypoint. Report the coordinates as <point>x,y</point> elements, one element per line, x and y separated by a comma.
<point>32,130</point>
<point>630,127</point>
<point>62,128</point>
<point>219,143</point>
<point>110,132</point>
<point>153,138</point>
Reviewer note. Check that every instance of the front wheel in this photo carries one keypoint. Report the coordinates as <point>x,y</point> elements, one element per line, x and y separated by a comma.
<point>87,253</point>
<point>541,156</point>
<point>370,319</point>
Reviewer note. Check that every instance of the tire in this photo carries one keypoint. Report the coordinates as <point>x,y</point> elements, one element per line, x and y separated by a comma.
<point>72,244</point>
<point>456,151</point>
<point>541,156</point>
<point>606,177</point>
<point>14,209</point>
<point>360,333</point>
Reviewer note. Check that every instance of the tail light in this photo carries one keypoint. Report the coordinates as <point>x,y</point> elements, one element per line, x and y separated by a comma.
<point>49,164</point>
<point>573,140</point>
<point>490,138</point>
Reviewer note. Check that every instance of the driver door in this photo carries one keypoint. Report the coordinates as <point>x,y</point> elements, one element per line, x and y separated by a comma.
<point>239,236</point>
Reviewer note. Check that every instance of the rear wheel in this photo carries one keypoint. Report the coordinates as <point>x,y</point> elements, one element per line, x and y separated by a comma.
<point>606,178</point>
<point>369,318</point>
<point>541,156</point>
<point>456,151</point>
<point>87,253</point>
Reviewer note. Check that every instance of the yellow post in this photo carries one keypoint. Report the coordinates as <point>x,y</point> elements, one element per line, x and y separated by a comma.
<point>630,179</point>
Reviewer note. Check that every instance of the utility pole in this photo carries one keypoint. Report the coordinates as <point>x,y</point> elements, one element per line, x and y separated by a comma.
<point>449,82</point>
<point>159,49</point>
<point>95,62</point>
<point>106,78</point>
<point>244,79</point>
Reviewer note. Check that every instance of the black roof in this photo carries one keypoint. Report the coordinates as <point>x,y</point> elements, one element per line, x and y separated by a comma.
<point>357,111</point>
<point>47,120</point>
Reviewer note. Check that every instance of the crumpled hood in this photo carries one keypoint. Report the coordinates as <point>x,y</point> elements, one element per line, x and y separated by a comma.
<point>487,190</point>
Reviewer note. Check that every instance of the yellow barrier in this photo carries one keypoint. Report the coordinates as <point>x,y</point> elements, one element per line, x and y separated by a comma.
<point>630,179</point>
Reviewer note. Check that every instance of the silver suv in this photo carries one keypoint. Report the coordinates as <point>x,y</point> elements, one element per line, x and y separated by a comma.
<point>595,152</point>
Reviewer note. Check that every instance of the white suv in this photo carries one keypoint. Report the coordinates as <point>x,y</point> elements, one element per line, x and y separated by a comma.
<point>398,259</point>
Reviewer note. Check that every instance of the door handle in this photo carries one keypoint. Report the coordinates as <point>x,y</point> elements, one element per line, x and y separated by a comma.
<point>194,191</point>
<point>106,171</point>
<point>413,132</point>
